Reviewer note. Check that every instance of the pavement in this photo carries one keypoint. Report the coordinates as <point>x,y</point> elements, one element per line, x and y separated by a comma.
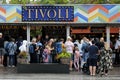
<point>11,74</point>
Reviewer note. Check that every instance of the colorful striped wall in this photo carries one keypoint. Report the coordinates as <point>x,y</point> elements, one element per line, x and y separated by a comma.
<point>82,13</point>
<point>10,13</point>
<point>97,13</point>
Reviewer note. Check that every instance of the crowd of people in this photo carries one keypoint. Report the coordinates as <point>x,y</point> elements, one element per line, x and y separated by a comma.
<point>95,52</point>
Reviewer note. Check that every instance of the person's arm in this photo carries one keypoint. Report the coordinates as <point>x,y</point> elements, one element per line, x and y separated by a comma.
<point>37,48</point>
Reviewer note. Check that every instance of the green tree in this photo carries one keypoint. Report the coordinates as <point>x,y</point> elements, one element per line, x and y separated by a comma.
<point>65,1</point>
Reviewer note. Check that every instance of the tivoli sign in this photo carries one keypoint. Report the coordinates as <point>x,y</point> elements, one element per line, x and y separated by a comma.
<point>48,13</point>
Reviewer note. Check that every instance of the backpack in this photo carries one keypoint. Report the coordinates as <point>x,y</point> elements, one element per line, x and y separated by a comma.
<point>85,47</point>
<point>32,48</point>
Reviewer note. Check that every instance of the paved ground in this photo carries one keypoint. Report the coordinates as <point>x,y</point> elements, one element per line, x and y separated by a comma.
<point>11,74</point>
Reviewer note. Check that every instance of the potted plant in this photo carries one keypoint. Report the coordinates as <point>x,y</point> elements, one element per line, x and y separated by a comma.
<point>22,57</point>
<point>64,57</point>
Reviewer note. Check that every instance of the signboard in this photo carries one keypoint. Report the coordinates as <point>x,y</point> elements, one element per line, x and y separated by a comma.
<point>48,13</point>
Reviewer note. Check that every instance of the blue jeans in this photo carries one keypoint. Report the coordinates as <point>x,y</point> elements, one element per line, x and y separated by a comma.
<point>11,60</point>
<point>49,58</point>
<point>85,56</point>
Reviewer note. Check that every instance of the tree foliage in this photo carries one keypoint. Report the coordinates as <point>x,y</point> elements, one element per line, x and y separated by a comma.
<point>64,1</point>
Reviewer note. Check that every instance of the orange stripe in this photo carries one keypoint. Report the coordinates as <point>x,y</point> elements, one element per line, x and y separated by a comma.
<point>114,16</point>
<point>3,10</point>
<point>75,19</point>
<point>96,7</point>
<point>104,9</point>
<point>16,21</point>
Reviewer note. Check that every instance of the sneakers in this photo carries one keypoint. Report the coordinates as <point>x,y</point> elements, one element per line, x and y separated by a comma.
<point>11,66</point>
<point>70,69</point>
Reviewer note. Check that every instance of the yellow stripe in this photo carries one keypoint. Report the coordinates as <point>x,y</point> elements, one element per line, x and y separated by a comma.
<point>13,15</point>
<point>98,15</point>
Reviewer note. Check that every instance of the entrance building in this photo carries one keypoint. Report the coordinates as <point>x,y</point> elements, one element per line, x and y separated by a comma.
<point>60,21</point>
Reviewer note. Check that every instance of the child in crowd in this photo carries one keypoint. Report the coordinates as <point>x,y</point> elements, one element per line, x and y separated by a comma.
<point>76,58</point>
<point>45,55</point>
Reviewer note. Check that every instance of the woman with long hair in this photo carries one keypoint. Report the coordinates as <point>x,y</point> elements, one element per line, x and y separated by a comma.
<point>105,59</point>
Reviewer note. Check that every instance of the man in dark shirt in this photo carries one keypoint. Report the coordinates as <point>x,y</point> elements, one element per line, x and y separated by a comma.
<point>93,51</point>
<point>1,48</point>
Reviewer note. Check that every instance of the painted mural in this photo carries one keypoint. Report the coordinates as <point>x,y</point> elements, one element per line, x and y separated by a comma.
<point>82,13</point>
<point>97,13</point>
<point>10,13</point>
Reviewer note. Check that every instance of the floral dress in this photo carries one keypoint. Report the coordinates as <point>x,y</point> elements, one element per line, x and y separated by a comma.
<point>105,60</point>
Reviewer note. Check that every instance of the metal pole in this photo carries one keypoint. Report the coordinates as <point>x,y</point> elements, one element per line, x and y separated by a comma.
<point>67,31</point>
<point>28,40</point>
<point>28,33</point>
<point>108,35</point>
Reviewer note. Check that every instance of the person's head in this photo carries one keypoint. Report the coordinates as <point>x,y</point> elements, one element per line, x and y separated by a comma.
<point>101,39</point>
<point>93,42</point>
<point>34,40</point>
<point>51,40</point>
<point>12,40</point>
<point>62,40</point>
<point>76,48</point>
<point>46,36</point>
<point>39,37</point>
<point>69,38</point>
<point>1,35</point>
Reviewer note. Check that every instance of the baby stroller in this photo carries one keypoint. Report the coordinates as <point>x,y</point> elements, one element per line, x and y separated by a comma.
<point>85,68</point>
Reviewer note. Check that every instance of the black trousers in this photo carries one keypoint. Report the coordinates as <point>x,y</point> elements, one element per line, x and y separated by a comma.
<point>33,58</point>
<point>5,60</point>
<point>117,57</point>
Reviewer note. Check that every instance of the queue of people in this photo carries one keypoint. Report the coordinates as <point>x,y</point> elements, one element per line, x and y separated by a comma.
<point>93,51</point>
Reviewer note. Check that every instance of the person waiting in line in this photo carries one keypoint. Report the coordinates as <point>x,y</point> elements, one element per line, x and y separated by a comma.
<point>105,60</point>
<point>81,54</point>
<point>40,49</point>
<point>33,48</point>
<point>58,48</point>
<point>12,47</point>
<point>62,42</point>
<point>76,58</point>
<point>45,41</point>
<point>23,48</point>
<point>85,45</point>
<point>117,51</point>
<point>2,51</point>
<point>51,48</point>
<point>6,42</point>
<point>69,45</point>
<point>100,43</point>
<point>45,54</point>
<point>93,51</point>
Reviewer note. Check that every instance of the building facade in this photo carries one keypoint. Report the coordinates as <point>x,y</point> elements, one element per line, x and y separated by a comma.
<point>61,20</point>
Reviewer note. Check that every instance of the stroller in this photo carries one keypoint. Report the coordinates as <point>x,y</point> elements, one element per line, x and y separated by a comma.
<point>85,68</point>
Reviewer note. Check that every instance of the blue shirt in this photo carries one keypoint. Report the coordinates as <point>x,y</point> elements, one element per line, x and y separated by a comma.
<point>93,51</point>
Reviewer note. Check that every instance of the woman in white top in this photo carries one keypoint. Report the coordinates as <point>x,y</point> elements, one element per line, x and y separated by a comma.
<point>69,45</point>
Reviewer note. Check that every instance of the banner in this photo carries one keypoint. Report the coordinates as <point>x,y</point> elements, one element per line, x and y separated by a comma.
<point>48,13</point>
